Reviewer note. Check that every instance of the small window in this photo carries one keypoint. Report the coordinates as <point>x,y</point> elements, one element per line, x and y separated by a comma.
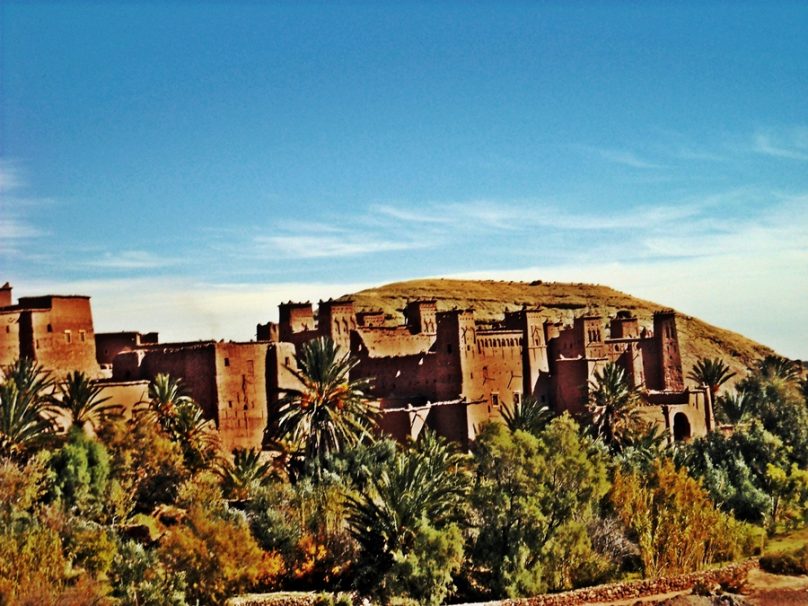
<point>287,361</point>
<point>50,327</point>
<point>68,337</point>
<point>494,399</point>
<point>516,398</point>
<point>82,336</point>
<point>227,361</point>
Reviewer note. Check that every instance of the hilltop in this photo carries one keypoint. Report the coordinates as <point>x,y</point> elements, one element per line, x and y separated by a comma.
<point>562,301</point>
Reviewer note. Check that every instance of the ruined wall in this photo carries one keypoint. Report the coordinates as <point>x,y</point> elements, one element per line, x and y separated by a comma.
<point>110,344</point>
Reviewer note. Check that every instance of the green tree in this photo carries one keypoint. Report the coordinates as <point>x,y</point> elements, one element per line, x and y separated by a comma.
<point>773,392</point>
<point>710,372</point>
<point>147,464</point>
<point>82,470</point>
<point>80,398</point>
<point>614,407</point>
<point>26,419</point>
<point>329,412</point>
<point>733,469</point>
<point>533,499</point>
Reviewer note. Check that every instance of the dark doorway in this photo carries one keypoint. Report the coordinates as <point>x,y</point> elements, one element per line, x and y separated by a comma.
<point>681,427</point>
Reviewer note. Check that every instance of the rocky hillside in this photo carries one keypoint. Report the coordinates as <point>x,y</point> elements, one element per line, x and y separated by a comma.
<point>561,301</point>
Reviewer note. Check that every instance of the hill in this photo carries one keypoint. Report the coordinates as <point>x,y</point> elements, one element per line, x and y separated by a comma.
<point>562,301</point>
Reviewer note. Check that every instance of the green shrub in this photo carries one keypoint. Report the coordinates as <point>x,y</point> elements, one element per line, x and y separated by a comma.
<point>787,562</point>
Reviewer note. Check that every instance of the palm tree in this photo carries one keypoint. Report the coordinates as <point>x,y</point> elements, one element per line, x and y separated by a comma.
<point>427,482</point>
<point>181,417</point>
<point>79,397</point>
<point>330,411</point>
<point>244,473</point>
<point>614,407</point>
<point>529,416</point>
<point>644,447</point>
<point>166,393</point>
<point>776,369</point>
<point>734,407</point>
<point>711,372</point>
<point>26,419</point>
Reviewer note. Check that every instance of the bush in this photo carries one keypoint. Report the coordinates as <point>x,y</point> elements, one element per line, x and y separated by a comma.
<point>218,556</point>
<point>140,579</point>
<point>787,562</point>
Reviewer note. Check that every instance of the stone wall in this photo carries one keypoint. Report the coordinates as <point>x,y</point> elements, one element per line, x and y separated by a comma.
<point>578,597</point>
<point>636,589</point>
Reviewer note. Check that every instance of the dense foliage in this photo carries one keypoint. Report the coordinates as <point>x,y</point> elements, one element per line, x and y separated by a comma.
<point>144,509</point>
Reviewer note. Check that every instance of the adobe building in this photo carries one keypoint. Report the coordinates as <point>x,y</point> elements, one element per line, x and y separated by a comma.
<point>54,330</point>
<point>234,383</point>
<point>447,371</point>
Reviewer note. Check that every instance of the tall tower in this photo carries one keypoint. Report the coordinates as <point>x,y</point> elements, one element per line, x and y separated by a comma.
<point>5,295</point>
<point>667,342</point>
<point>336,319</point>
<point>589,336</point>
<point>421,316</point>
<point>294,318</point>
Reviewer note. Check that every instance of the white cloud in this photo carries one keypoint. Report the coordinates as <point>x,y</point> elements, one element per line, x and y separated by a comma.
<point>131,259</point>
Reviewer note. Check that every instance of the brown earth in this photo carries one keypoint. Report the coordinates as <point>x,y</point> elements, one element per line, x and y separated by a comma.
<point>562,301</point>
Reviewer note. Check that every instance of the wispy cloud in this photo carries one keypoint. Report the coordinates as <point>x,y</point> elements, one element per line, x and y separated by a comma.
<point>131,259</point>
<point>406,215</point>
<point>325,245</point>
<point>791,144</point>
<point>9,176</point>
<point>620,156</point>
<point>16,229</point>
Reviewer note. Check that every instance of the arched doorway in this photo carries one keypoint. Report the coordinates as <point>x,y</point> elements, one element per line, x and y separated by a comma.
<point>681,427</point>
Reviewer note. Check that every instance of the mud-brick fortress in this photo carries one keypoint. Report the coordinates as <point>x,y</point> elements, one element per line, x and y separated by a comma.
<point>439,369</point>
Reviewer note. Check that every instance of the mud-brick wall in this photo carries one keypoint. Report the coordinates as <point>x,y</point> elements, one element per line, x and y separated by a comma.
<point>58,333</point>
<point>9,337</point>
<point>241,385</point>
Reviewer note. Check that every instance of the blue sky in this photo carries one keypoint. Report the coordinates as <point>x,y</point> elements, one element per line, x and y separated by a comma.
<point>191,164</point>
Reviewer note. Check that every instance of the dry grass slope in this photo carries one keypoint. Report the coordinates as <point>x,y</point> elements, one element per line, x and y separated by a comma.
<point>562,301</point>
